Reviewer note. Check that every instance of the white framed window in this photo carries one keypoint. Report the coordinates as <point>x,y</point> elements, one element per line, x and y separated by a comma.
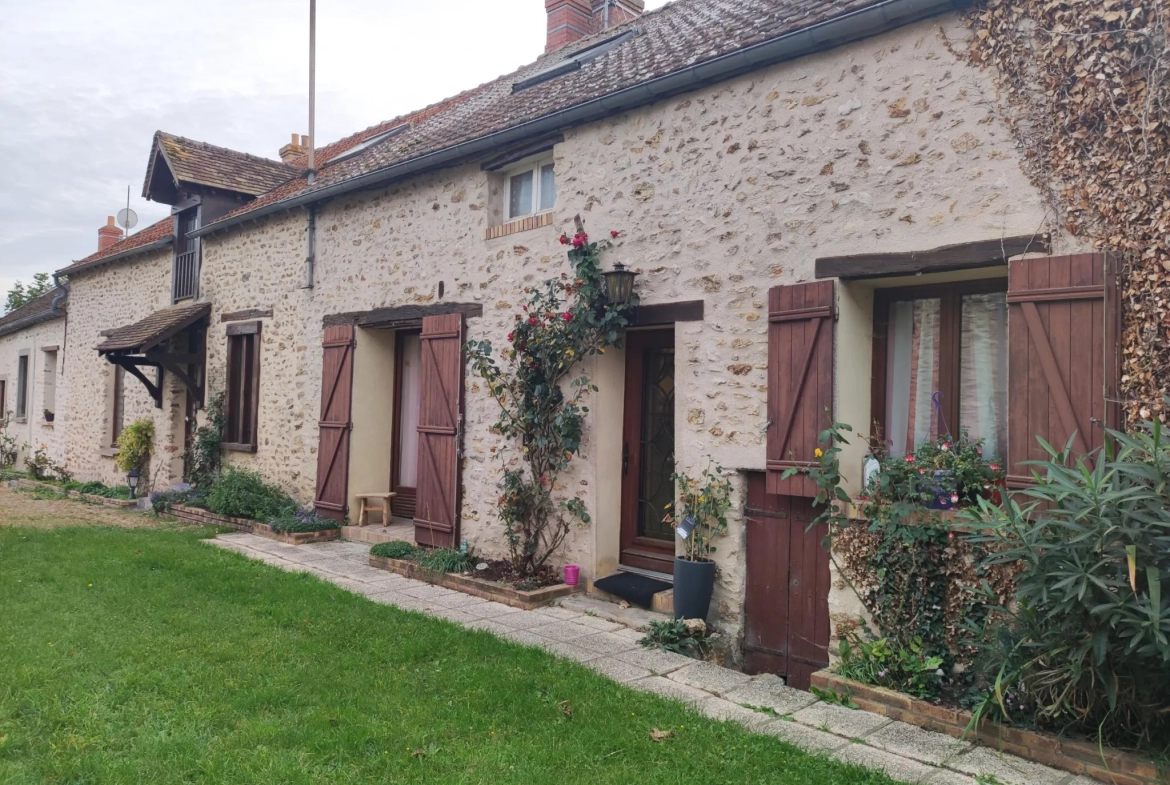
<point>531,189</point>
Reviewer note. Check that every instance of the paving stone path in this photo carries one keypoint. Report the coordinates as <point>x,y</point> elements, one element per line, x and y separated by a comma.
<point>903,751</point>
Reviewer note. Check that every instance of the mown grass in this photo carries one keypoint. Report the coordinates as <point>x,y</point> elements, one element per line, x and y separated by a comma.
<point>145,656</point>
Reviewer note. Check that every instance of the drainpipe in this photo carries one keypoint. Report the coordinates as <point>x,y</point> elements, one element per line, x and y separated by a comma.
<point>311,255</point>
<point>58,301</point>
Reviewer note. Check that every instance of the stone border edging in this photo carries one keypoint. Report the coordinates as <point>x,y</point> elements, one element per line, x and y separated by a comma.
<point>200,516</point>
<point>1079,757</point>
<point>487,590</point>
<point>87,497</point>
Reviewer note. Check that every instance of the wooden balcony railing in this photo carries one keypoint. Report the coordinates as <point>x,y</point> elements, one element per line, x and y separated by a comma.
<point>185,278</point>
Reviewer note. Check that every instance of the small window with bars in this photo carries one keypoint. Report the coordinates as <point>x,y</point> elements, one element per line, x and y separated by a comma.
<point>242,398</point>
<point>185,275</point>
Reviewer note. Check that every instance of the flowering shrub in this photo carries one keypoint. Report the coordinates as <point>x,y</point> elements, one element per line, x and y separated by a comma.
<point>42,467</point>
<point>9,447</point>
<point>706,498</point>
<point>565,320</point>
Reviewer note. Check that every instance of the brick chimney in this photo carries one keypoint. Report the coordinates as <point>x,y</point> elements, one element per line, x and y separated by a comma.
<point>572,20</point>
<point>108,234</point>
<point>295,149</point>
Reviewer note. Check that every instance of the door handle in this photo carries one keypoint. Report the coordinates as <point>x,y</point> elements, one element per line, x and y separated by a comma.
<point>625,459</point>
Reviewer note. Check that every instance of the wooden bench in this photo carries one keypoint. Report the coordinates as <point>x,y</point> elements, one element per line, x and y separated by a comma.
<point>365,501</point>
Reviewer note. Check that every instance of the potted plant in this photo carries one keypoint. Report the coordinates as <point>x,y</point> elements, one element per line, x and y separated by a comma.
<point>49,416</point>
<point>698,518</point>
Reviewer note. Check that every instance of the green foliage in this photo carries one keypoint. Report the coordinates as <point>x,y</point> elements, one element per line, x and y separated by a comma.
<point>566,320</point>
<point>442,560</point>
<point>887,663</point>
<point>135,445</point>
<point>204,458</point>
<point>1087,646</point>
<point>922,580</point>
<point>97,489</point>
<point>18,295</point>
<point>302,521</point>
<point>706,498</point>
<point>674,635</point>
<point>162,502</point>
<point>834,698</point>
<point>12,474</point>
<point>243,494</point>
<point>395,549</point>
<point>42,467</point>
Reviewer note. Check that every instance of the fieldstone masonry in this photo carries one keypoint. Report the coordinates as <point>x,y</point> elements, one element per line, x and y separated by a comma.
<point>890,143</point>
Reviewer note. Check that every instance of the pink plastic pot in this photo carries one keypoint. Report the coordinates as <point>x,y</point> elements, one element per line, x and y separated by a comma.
<point>572,574</point>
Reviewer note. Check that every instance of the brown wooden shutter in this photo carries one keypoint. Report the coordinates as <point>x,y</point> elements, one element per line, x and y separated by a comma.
<point>800,380</point>
<point>440,425</point>
<point>335,425</point>
<point>1063,357</point>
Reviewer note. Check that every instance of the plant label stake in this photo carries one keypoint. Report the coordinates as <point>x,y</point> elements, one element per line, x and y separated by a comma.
<point>687,526</point>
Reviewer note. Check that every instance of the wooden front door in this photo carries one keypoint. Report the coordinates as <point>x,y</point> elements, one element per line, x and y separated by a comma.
<point>648,451</point>
<point>787,607</point>
<point>407,400</point>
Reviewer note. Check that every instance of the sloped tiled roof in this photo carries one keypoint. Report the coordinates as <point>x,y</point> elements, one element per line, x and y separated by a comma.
<point>37,307</point>
<point>154,329</point>
<point>218,167</point>
<point>150,236</point>
<point>674,38</point>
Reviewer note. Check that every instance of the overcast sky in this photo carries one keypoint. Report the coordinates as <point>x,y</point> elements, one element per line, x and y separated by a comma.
<point>84,84</point>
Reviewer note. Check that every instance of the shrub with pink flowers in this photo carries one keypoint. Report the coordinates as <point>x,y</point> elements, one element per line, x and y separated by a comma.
<point>536,381</point>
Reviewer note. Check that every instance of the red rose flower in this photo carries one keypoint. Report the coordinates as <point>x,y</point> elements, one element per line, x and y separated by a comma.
<point>564,240</point>
<point>910,458</point>
<point>533,321</point>
<point>568,317</point>
<point>511,337</point>
<point>614,234</point>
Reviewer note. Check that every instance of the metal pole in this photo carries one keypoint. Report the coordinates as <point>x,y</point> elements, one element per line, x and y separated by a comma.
<point>312,87</point>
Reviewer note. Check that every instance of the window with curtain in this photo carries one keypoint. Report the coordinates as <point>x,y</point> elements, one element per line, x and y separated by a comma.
<point>945,364</point>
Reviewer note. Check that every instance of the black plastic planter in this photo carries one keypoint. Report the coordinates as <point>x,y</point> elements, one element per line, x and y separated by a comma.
<point>694,583</point>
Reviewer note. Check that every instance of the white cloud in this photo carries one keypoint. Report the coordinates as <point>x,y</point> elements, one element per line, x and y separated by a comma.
<point>86,84</point>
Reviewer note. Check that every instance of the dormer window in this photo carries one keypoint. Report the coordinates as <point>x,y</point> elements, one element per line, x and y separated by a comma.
<point>532,188</point>
<point>185,271</point>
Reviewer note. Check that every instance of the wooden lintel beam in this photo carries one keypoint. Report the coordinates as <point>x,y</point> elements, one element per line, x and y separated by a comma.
<point>964,256</point>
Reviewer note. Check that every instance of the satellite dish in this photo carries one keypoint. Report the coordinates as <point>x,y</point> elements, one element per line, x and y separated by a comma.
<point>127,219</point>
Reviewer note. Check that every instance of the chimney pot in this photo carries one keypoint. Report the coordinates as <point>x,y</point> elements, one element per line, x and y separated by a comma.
<point>294,149</point>
<point>108,234</point>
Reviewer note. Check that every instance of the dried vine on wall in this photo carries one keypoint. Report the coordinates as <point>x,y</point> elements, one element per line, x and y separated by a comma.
<point>1088,87</point>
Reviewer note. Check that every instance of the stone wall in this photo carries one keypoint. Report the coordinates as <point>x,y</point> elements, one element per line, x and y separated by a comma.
<point>103,299</point>
<point>888,144</point>
<point>34,432</point>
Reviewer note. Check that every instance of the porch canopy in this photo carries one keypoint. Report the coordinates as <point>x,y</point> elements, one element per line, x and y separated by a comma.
<point>156,342</point>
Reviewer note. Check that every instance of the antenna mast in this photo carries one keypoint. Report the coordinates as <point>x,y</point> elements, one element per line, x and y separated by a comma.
<point>312,87</point>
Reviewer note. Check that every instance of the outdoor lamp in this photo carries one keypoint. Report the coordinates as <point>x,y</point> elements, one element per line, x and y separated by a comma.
<point>132,482</point>
<point>619,284</point>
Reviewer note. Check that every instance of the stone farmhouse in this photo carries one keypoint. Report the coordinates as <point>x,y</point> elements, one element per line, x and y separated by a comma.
<point>828,217</point>
<point>32,338</point>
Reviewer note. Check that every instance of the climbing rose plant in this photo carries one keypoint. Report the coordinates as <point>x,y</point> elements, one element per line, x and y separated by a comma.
<point>540,392</point>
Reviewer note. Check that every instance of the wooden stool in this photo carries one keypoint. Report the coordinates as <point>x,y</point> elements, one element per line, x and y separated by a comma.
<point>366,502</point>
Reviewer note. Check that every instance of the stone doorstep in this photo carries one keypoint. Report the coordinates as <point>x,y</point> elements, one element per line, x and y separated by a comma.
<point>1078,757</point>
<point>662,602</point>
<point>295,538</point>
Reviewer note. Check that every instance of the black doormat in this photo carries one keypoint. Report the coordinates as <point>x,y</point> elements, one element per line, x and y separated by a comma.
<point>634,589</point>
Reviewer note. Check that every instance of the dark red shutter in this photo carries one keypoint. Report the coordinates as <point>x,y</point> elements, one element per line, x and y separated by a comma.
<point>440,425</point>
<point>1063,357</point>
<point>335,425</point>
<point>800,380</point>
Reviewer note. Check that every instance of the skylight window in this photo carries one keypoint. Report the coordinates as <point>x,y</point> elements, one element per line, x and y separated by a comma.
<point>373,140</point>
<point>575,62</point>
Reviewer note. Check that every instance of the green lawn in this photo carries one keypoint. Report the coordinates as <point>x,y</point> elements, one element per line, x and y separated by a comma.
<point>145,656</point>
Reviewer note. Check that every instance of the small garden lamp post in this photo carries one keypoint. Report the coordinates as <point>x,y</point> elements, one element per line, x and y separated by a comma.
<point>619,285</point>
<point>132,482</point>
